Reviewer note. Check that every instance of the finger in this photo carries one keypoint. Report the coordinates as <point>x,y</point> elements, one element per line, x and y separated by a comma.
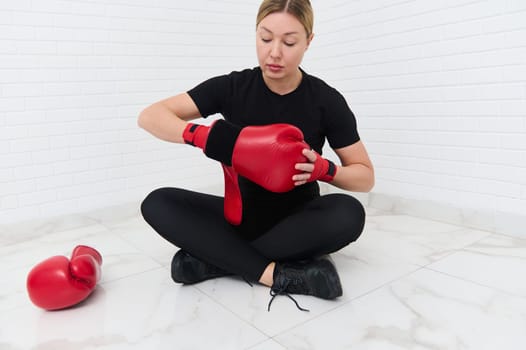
<point>306,167</point>
<point>301,177</point>
<point>299,183</point>
<point>310,155</point>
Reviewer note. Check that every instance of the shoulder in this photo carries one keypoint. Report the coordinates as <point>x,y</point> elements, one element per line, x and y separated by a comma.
<point>244,78</point>
<point>226,83</point>
<point>322,89</point>
<point>235,76</point>
<point>245,73</point>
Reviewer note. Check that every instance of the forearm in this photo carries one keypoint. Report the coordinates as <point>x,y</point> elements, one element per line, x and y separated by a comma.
<point>354,177</point>
<point>158,120</point>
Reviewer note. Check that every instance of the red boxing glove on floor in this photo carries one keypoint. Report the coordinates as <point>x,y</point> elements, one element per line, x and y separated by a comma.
<point>324,169</point>
<point>58,283</point>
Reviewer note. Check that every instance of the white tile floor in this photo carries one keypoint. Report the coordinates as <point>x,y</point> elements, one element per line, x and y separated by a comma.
<point>408,283</point>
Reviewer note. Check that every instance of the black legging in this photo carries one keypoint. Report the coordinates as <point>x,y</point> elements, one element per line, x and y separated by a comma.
<point>194,222</point>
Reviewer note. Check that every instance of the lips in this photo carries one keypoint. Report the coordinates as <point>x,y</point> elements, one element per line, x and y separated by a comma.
<point>274,67</point>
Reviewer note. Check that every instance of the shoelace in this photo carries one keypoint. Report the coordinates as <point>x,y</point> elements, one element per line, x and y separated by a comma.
<point>281,290</point>
<point>246,280</point>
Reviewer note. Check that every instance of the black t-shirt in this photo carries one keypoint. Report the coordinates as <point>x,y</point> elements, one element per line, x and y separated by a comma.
<point>243,98</point>
<point>317,109</point>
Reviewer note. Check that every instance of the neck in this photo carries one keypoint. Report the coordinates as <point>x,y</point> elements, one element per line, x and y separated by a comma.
<point>285,85</point>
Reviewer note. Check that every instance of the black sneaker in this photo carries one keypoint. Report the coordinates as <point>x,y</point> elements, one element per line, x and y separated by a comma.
<point>318,278</point>
<point>188,269</point>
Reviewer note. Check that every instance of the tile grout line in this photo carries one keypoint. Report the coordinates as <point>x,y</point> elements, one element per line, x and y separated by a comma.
<point>225,307</point>
<point>476,283</point>
<point>345,303</point>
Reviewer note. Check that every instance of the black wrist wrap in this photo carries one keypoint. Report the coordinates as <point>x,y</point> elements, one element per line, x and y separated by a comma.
<point>332,169</point>
<point>221,141</point>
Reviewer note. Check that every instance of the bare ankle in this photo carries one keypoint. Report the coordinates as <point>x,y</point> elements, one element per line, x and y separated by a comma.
<point>267,278</point>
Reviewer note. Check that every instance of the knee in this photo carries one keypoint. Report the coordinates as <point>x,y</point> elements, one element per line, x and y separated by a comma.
<point>347,206</point>
<point>152,202</point>
<point>349,216</point>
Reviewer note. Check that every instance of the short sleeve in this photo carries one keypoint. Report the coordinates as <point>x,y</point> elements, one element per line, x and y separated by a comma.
<point>210,96</point>
<point>340,122</point>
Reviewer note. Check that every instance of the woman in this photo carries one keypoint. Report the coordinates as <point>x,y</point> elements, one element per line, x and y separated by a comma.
<point>283,238</point>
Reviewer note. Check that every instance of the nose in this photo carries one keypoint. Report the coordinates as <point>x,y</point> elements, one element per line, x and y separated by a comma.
<point>275,50</point>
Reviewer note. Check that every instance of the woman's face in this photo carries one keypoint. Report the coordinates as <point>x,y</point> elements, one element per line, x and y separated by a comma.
<point>281,41</point>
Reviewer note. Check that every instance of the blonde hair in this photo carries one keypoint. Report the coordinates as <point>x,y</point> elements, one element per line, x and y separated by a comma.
<point>301,9</point>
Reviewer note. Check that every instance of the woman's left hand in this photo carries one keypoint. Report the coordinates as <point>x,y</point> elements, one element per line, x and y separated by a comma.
<point>307,168</point>
<point>318,168</point>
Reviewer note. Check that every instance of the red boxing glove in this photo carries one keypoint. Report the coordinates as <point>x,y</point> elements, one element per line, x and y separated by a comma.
<point>266,155</point>
<point>58,283</point>
<point>233,204</point>
<point>324,169</point>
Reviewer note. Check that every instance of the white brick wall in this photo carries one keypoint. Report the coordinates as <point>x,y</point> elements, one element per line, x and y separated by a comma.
<point>439,90</point>
<point>74,76</point>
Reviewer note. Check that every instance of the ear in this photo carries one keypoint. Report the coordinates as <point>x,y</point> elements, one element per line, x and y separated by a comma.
<point>309,40</point>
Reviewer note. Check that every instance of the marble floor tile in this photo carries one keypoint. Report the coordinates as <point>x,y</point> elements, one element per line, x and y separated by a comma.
<point>139,234</point>
<point>250,304</point>
<point>46,244</point>
<point>13,292</point>
<point>415,240</point>
<point>361,271</point>
<point>120,259</point>
<point>268,345</point>
<point>424,311</point>
<point>4,237</point>
<point>116,215</point>
<point>17,259</point>
<point>496,261</point>
<point>145,311</point>
<point>19,232</point>
<point>370,212</point>
<point>409,283</point>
